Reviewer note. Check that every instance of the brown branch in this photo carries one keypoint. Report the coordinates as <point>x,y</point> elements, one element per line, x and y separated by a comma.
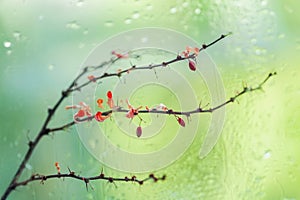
<point>74,87</point>
<point>86,180</point>
<point>151,66</point>
<point>172,112</point>
<point>44,131</point>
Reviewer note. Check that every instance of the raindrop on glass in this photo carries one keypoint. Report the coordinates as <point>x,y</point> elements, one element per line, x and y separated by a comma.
<point>109,23</point>
<point>149,7</point>
<point>79,3</point>
<point>267,154</point>
<point>197,11</point>
<point>135,15</point>
<point>264,3</point>
<point>173,10</point>
<point>17,35</point>
<point>51,67</point>
<point>253,41</point>
<point>7,44</point>
<point>8,52</point>
<point>72,25</point>
<point>185,4</point>
<point>127,21</point>
<point>28,166</point>
<point>41,17</point>
<point>86,31</point>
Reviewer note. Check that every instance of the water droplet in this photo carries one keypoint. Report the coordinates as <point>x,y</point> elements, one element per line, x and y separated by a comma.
<point>264,3</point>
<point>173,10</point>
<point>267,154</point>
<point>144,40</point>
<point>81,45</point>
<point>281,36</point>
<point>79,3</point>
<point>135,15</point>
<point>8,52</point>
<point>253,41</point>
<point>185,4</point>
<point>17,35</point>
<point>51,67</point>
<point>7,44</point>
<point>149,7</point>
<point>258,52</point>
<point>127,21</point>
<point>41,17</point>
<point>86,31</point>
<point>28,166</point>
<point>73,25</point>
<point>109,23</point>
<point>197,11</point>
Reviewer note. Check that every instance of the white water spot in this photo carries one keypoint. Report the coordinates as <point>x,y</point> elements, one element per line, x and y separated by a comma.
<point>144,40</point>
<point>267,154</point>
<point>135,15</point>
<point>264,3</point>
<point>73,25</point>
<point>253,41</point>
<point>7,44</point>
<point>127,21</point>
<point>149,7</point>
<point>41,17</point>
<point>28,166</point>
<point>173,10</point>
<point>185,4</point>
<point>79,3</point>
<point>8,52</point>
<point>197,11</point>
<point>17,35</point>
<point>109,23</point>
<point>51,67</point>
<point>86,31</point>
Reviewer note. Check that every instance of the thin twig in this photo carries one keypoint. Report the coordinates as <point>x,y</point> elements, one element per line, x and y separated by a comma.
<point>172,112</point>
<point>74,87</point>
<point>86,180</point>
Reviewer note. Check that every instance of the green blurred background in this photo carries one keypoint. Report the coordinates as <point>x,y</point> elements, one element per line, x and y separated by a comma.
<point>43,43</point>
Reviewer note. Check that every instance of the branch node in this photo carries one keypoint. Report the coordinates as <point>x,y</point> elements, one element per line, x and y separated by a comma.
<point>30,144</point>
<point>65,93</point>
<point>50,111</point>
<point>141,182</point>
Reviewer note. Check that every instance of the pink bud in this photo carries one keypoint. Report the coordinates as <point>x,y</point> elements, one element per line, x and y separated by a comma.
<point>80,113</point>
<point>192,65</point>
<point>181,122</point>
<point>139,131</point>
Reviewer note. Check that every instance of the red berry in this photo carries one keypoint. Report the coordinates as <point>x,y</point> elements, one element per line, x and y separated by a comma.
<point>139,131</point>
<point>109,94</point>
<point>192,65</point>
<point>181,122</point>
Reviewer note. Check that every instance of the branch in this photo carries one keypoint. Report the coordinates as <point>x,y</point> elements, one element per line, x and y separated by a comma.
<point>86,180</point>
<point>151,66</point>
<point>74,87</point>
<point>172,112</point>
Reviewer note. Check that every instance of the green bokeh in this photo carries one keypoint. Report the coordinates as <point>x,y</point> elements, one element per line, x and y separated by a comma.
<point>43,43</point>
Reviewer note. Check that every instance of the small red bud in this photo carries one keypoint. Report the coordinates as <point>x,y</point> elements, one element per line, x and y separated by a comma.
<point>192,65</point>
<point>139,131</point>
<point>109,94</point>
<point>181,122</point>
